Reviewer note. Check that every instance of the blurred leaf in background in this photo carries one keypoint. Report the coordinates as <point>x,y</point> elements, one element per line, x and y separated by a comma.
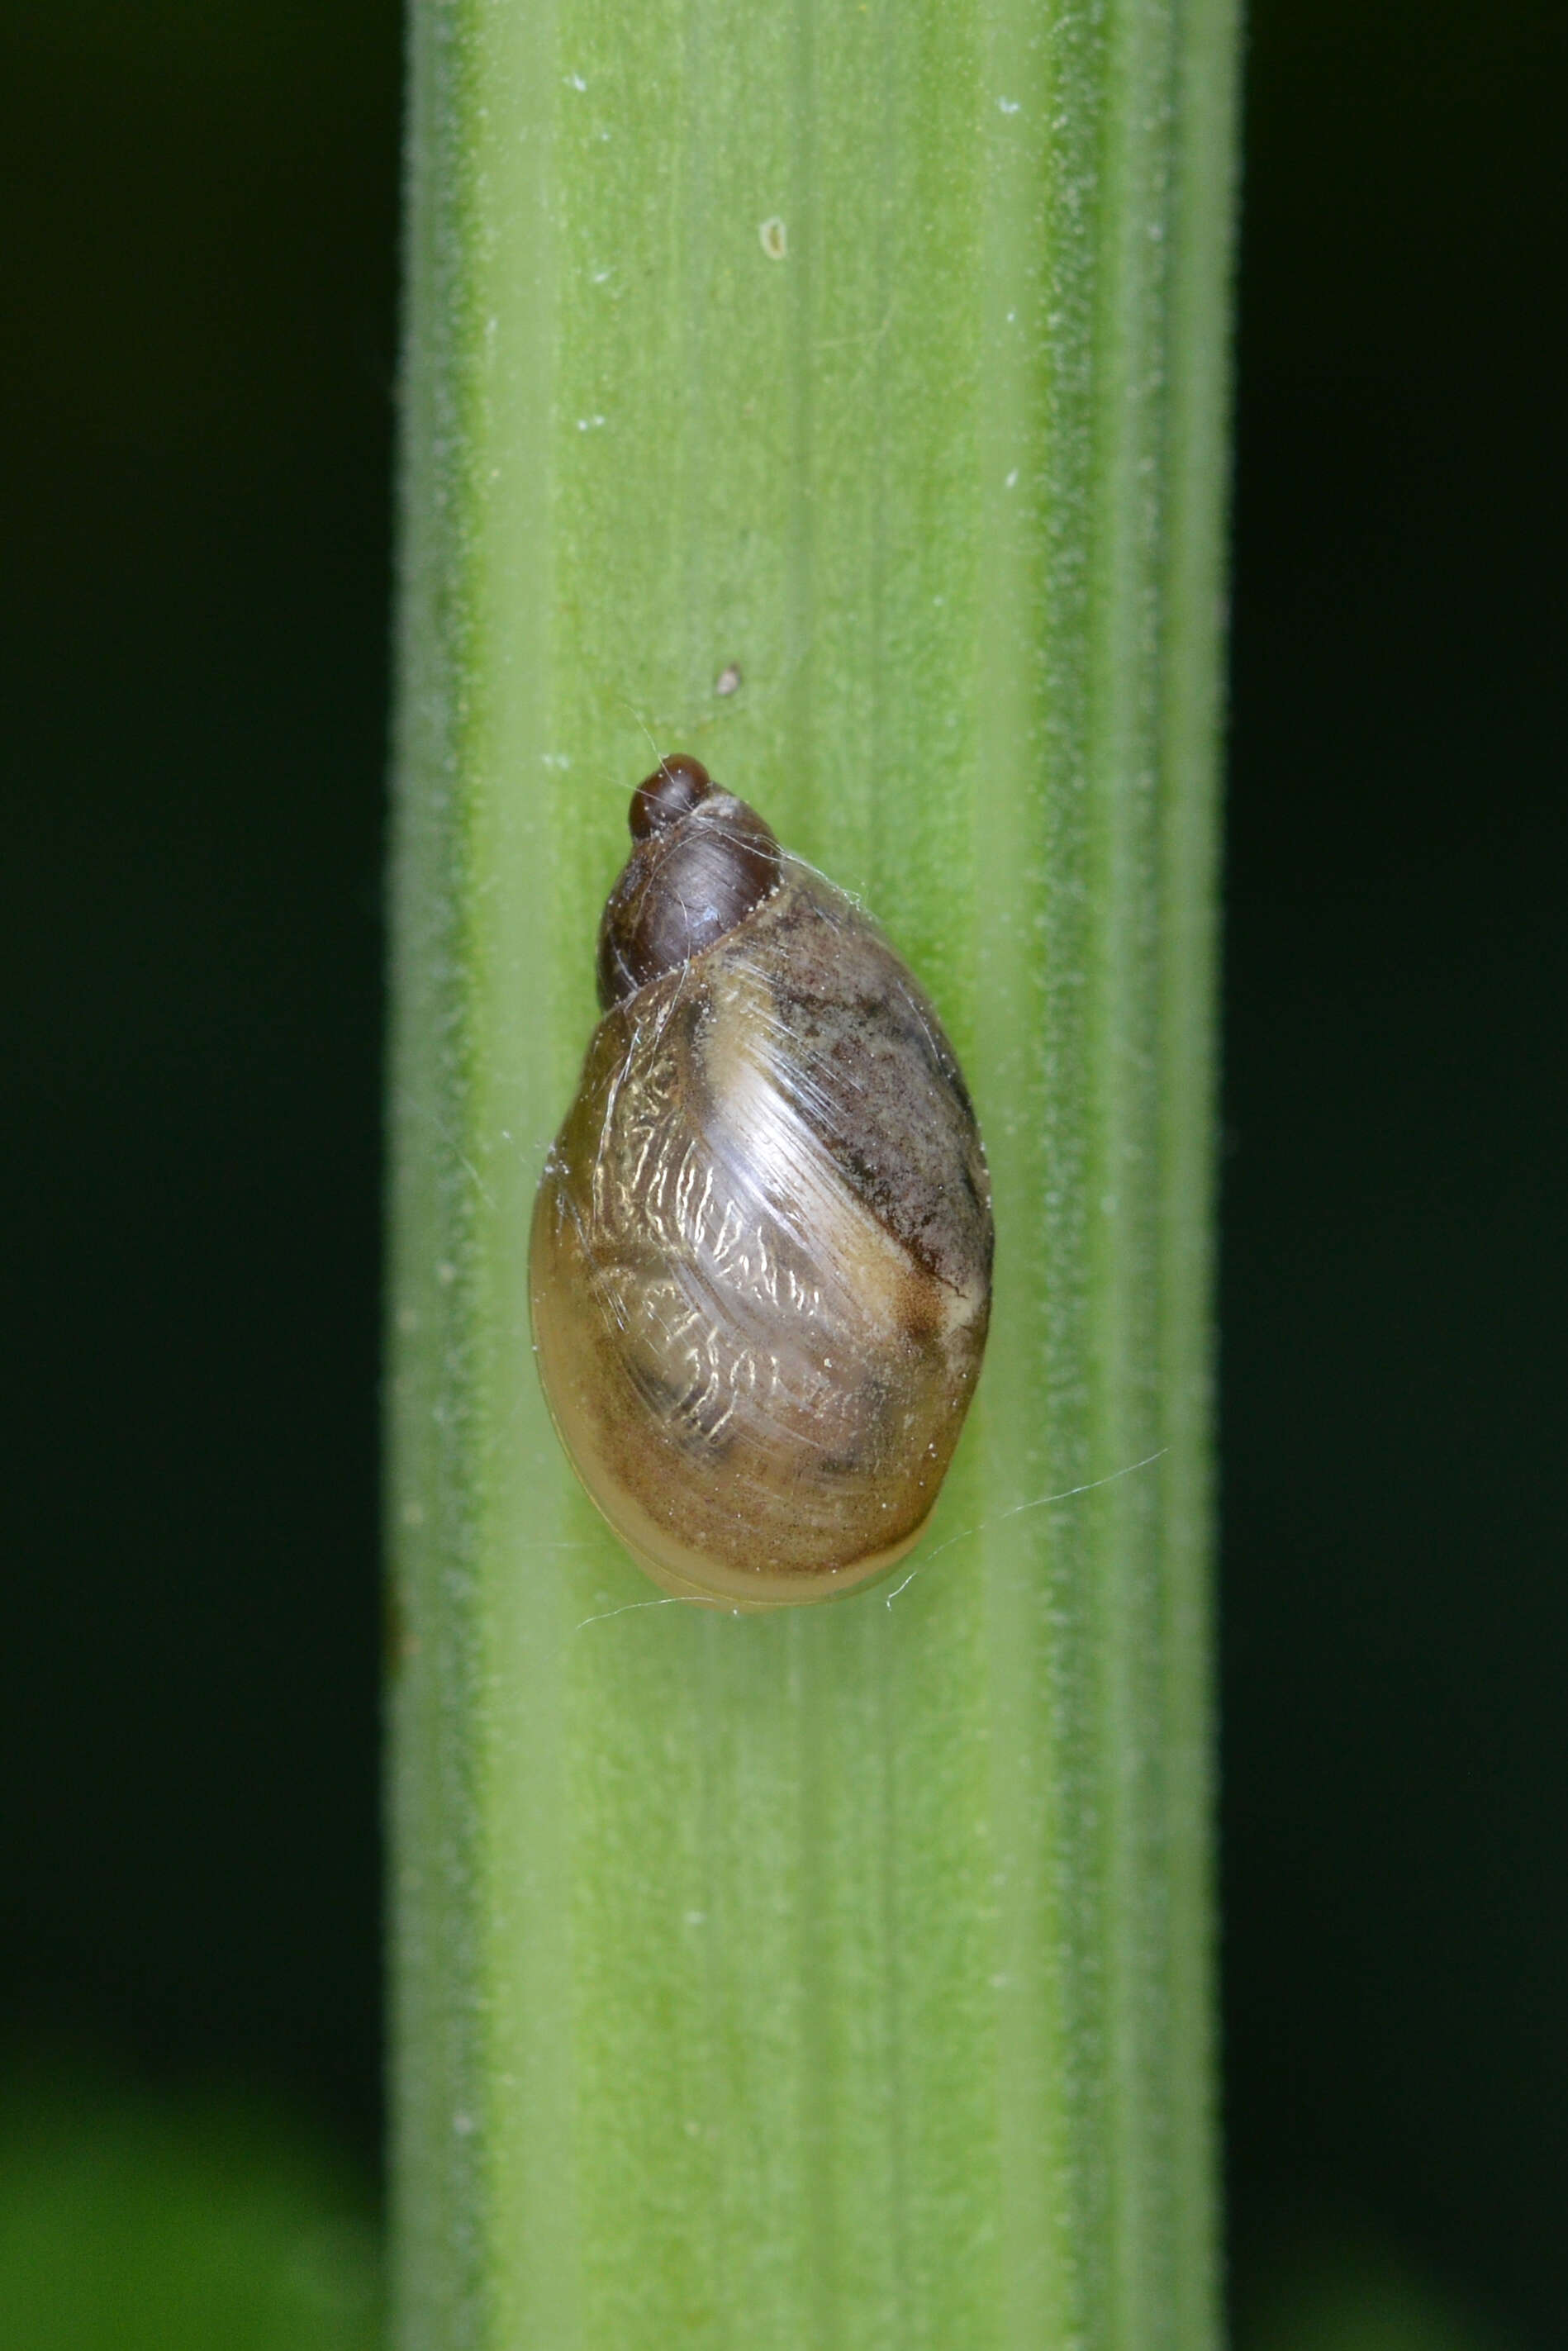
<point>1352,2295</point>
<point>135,2222</point>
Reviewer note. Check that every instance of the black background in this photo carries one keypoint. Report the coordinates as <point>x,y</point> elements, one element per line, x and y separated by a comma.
<point>197,286</point>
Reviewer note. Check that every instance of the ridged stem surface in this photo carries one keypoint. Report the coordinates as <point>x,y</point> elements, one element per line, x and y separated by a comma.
<point>838,1979</point>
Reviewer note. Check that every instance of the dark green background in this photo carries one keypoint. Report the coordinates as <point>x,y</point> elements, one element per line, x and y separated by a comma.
<point>197,291</point>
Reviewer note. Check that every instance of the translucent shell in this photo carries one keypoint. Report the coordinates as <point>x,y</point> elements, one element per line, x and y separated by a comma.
<point>761,1253</point>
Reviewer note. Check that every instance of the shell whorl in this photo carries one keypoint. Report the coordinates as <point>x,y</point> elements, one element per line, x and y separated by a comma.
<point>701,861</point>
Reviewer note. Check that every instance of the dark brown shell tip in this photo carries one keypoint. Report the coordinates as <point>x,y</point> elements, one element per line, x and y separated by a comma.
<point>675,787</point>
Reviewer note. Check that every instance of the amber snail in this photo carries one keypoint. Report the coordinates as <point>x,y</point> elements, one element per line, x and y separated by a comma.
<point>761,1261</point>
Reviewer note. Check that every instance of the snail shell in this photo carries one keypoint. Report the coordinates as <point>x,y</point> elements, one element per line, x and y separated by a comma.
<point>761,1254</point>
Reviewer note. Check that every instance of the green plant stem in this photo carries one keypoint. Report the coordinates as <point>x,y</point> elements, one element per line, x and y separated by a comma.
<point>836,1979</point>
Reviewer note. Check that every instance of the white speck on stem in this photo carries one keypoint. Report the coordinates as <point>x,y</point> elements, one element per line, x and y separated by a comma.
<point>1009,105</point>
<point>774,237</point>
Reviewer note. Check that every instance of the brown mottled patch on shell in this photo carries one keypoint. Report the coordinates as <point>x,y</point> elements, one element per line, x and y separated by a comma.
<point>888,1096</point>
